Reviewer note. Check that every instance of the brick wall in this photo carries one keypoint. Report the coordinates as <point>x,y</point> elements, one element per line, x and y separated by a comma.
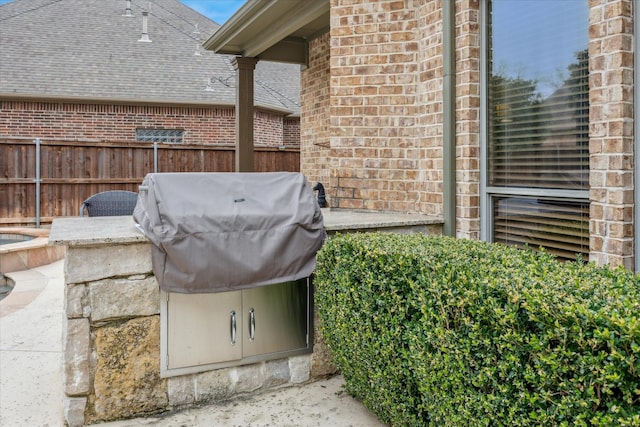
<point>202,125</point>
<point>431,114</point>
<point>611,132</point>
<point>291,131</point>
<point>372,120</point>
<point>314,118</point>
<point>268,129</point>
<point>375,148</point>
<point>467,42</point>
<point>382,129</point>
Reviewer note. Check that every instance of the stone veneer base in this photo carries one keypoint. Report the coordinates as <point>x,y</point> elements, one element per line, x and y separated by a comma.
<point>112,325</point>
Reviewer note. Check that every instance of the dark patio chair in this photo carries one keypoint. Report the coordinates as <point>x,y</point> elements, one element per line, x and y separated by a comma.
<point>110,203</point>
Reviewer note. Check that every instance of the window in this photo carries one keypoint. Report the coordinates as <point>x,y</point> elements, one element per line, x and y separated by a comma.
<point>536,168</point>
<point>170,136</point>
<point>561,226</point>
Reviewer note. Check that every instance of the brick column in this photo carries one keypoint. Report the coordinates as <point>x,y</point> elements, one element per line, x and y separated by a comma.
<point>467,119</point>
<point>611,132</point>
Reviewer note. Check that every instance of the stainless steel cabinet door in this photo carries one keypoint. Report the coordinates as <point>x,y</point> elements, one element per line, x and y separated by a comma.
<point>275,318</point>
<point>202,328</point>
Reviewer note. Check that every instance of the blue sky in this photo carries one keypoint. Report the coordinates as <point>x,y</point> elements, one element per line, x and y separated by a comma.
<point>216,10</point>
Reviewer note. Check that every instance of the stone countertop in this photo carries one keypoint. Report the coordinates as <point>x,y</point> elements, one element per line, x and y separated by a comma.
<point>336,220</point>
<point>86,231</point>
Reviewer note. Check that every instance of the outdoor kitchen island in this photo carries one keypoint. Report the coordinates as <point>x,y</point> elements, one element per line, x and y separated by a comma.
<point>112,329</point>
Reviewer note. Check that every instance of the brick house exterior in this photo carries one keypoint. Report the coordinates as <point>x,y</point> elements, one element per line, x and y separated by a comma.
<point>383,148</point>
<point>375,136</point>
<point>392,142</point>
<point>611,133</point>
<point>118,122</point>
<point>69,84</point>
<point>373,114</point>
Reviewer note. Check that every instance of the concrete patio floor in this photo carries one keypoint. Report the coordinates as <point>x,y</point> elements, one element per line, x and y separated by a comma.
<point>31,374</point>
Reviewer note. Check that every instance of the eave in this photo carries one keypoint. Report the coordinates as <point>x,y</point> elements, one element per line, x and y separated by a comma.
<point>273,30</point>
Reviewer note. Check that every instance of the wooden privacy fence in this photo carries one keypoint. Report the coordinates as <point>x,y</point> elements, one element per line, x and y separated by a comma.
<point>43,179</point>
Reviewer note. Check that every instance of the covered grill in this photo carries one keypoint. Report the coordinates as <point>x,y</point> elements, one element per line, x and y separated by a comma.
<point>216,232</point>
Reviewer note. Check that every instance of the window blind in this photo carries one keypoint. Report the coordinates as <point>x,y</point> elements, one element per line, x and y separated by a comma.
<point>560,226</point>
<point>540,142</point>
<point>538,124</point>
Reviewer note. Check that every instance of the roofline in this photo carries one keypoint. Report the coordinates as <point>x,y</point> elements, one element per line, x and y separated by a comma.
<point>104,100</point>
<point>137,102</point>
<point>266,29</point>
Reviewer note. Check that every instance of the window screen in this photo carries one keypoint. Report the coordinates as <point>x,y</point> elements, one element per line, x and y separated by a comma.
<point>171,136</point>
<point>538,123</point>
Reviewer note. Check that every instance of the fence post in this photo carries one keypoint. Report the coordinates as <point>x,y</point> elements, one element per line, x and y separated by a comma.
<point>155,157</point>
<point>37,141</point>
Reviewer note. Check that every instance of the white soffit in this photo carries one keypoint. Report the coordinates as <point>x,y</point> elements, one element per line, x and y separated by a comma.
<point>275,30</point>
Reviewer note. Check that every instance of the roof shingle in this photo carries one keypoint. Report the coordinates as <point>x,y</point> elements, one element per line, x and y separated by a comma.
<point>89,49</point>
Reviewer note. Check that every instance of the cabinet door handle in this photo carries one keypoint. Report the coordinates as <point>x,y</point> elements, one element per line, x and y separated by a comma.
<point>252,324</point>
<point>233,327</point>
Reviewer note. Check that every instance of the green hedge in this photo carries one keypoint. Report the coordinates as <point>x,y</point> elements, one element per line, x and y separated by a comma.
<point>452,332</point>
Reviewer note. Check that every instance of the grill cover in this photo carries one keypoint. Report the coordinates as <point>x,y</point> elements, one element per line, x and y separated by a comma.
<point>215,232</point>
